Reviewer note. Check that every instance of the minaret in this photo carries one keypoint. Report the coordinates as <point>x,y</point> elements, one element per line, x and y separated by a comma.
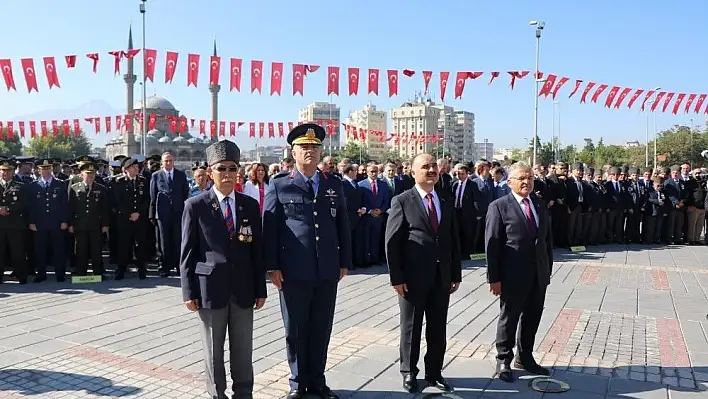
<point>129,79</point>
<point>214,90</point>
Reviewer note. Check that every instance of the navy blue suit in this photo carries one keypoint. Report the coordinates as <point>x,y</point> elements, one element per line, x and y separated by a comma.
<point>166,205</point>
<point>354,196</point>
<point>375,224</point>
<point>48,210</point>
<point>308,240</point>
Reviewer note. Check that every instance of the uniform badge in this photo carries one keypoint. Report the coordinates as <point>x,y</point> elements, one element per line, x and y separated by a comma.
<point>333,212</point>
<point>215,206</point>
<point>331,193</point>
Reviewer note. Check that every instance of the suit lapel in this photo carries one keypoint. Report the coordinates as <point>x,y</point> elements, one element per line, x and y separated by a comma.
<point>422,212</point>
<point>215,209</point>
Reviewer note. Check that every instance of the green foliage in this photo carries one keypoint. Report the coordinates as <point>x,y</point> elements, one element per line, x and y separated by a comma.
<point>353,151</point>
<point>10,146</point>
<point>60,146</point>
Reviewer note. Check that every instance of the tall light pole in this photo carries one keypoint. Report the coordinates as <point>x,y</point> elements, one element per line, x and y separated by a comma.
<point>143,139</point>
<point>539,28</point>
<point>646,146</point>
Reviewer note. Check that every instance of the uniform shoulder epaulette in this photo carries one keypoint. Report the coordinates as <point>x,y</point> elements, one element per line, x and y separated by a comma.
<point>76,184</point>
<point>120,178</point>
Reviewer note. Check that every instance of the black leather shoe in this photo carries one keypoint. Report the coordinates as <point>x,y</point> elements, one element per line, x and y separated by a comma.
<point>439,383</point>
<point>142,274</point>
<point>531,366</point>
<point>296,394</point>
<point>410,383</point>
<point>39,279</point>
<point>324,393</point>
<point>504,373</point>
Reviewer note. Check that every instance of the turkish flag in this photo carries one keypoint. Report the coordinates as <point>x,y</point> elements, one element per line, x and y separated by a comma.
<point>236,64</point>
<point>30,74</point>
<point>333,80</point>
<point>578,82</point>
<point>668,99</point>
<point>149,65</point>
<point>291,126</point>
<point>276,78</point>
<point>261,129</point>
<point>444,76</point>
<point>214,70</point>
<point>77,127</point>
<point>202,126</point>
<point>252,129</point>
<point>183,125</point>
<point>599,91</point>
<point>97,124</point>
<point>271,129</point>
<point>656,100</point>
<point>353,81</point>
<point>256,76</point>
<point>128,119</point>
<point>373,81</point>
<point>516,75</point>
<point>151,121</point>
<point>558,86</point>
<point>623,94</point>
<point>193,71</point>
<point>43,127</point>
<point>33,128</point>
<point>191,122</point>
<point>212,128</point>
<point>678,102</point>
<point>10,129</point>
<point>232,128</point>
<point>94,57</point>
<point>689,102</point>
<point>281,132</point>
<point>586,91</point>
<point>637,94</point>
<point>50,68</point>
<point>392,82</point>
<point>547,86</point>
<point>222,128</point>
<point>22,128</point>
<point>108,124</point>
<point>611,96</point>
<point>299,73</point>
<point>173,125</point>
<point>65,127</point>
<point>70,61</point>
<point>119,122</point>
<point>699,103</point>
<point>427,75</point>
<point>6,66</point>
<point>117,56</point>
<point>170,66</point>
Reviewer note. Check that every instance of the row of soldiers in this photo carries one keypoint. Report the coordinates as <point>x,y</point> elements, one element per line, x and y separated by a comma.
<point>49,217</point>
<point>623,204</point>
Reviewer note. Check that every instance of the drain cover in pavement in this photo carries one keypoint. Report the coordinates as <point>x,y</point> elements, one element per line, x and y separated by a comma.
<point>550,385</point>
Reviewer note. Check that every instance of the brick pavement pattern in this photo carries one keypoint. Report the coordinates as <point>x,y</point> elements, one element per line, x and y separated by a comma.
<point>619,322</point>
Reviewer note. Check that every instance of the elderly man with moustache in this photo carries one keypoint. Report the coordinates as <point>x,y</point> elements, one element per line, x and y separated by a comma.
<point>519,251</point>
<point>222,272</point>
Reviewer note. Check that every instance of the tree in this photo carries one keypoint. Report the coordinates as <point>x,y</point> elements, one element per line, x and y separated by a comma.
<point>10,146</point>
<point>64,147</point>
<point>353,151</point>
<point>681,144</point>
<point>587,154</point>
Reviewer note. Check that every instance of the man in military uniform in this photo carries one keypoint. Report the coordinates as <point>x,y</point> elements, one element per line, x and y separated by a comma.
<point>13,222</point>
<point>307,252</point>
<point>131,199</point>
<point>88,219</point>
<point>48,220</point>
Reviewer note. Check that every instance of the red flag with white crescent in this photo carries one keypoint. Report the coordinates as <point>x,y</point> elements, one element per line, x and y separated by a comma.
<point>494,76</point>
<point>33,128</point>
<point>232,128</point>
<point>443,84</point>
<point>202,126</point>
<point>589,87</point>
<point>235,73</point>
<point>256,76</point>
<point>299,73</point>
<point>271,129</point>
<point>668,99</point>
<point>689,102</point>
<point>622,96</point>
<point>599,91</point>
<point>427,75</point>
<point>261,129</point>
<point>373,81</point>
<point>291,126</point>
<point>77,127</point>
<point>353,81</point>
<point>50,69</point>
<point>699,103</point>
<point>21,124</point>
<point>578,82</point>
<point>170,65</point>
<point>183,124</point>
<point>6,67</point>
<point>213,128</point>
<point>222,128</point>
<point>252,129</point>
<point>70,61</point>
<point>677,104</point>
<point>548,85</point>
<point>634,98</point>
<point>392,82</point>
<point>558,86</point>
<point>214,70</point>
<point>646,97</point>
<point>117,56</point>
<point>30,74</point>
<point>193,69</point>
<point>611,96</point>
<point>108,124</point>
<point>97,124</point>
<point>94,57</point>
<point>657,99</point>
<point>460,80</point>
<point>10,129</point>
<point>281,132</point>
<point>149,65</point>
<point>333,80</point>
<point>151,121</point>
<point>276,78</point>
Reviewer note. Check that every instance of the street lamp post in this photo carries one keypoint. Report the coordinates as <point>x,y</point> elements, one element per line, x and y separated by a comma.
<point>539,28</point>
<point>690,160</point>
<point>143,139</point>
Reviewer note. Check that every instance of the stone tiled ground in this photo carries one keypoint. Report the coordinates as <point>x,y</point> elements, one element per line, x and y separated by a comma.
<point>619,322</point>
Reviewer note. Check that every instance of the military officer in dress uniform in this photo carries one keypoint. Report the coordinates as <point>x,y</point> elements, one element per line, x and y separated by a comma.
<point>48,220</point>
<point>131,198</point>
<point>88,219</point>
<point>13,222</point>
<point>307,252</point>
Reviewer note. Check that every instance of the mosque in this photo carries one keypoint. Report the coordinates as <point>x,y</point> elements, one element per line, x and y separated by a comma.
<point>187,147</point>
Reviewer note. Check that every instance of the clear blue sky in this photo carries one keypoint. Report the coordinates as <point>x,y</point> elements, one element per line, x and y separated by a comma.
<point>631,43</point>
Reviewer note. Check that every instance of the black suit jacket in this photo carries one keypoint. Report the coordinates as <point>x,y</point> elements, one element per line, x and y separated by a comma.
<point>355,200</point>
<point>415,253</point>
<point>167,203</point>
<point>514,254</point>
<point>444,186</point>
<point>215,266</point>
<point>469,211</point>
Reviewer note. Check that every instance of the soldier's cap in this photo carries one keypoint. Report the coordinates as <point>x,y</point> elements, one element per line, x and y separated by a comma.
<point>614,170</point>
<point>224,150</point>
<point>624,169</point>
<point>24,159</point>
<point>44,163</point>
<point>7,163</point>
<point>87,167</point>
<point>84,158</point>
<point>128,162</point>
<point>119,157</point>
<point>578,166</point>
<point>114,164</point>
<point>675,168</point>
<point>155,157</point>
<point>307,133</point>
<point>56,161</point>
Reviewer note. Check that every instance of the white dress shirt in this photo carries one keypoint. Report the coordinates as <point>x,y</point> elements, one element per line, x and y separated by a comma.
<point>220,196</point>
<point>424,200</point>
<point>520,201</point>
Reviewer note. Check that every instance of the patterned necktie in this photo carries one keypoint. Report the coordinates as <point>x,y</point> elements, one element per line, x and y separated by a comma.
<point>530,220</point>
<point>432,212</point>
<point>373,188</point>
<point>228,217</point>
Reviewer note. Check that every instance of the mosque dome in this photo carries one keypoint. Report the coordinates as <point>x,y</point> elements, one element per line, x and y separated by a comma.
<point>194,140</point>
<point>178,139</point>
<point>164,139</point>
<point>156,103</point>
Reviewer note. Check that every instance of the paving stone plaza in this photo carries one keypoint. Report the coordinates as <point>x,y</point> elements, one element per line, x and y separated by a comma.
<point>619,322</point>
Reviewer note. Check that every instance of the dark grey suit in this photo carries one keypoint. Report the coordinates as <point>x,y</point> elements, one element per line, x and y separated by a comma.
<point>226,274</point>
<point>522,260</point>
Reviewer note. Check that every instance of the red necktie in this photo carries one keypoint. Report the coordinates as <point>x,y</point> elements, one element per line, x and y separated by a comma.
<point>529,216</point>
<point>373,188</point>
<point>432,212</point>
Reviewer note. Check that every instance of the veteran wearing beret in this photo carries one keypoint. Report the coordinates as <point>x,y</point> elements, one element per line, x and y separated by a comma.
<point>307,252</point>
<point>222,272</point>
<point>13,222</point>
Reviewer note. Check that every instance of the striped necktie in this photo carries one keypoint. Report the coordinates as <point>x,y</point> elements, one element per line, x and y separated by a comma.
<point>229,217</point>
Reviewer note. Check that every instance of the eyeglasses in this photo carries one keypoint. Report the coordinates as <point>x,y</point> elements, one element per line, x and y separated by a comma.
<point>222,169</point>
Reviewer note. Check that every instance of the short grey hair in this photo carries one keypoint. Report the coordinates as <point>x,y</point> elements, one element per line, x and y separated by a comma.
<point>518,168</point>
